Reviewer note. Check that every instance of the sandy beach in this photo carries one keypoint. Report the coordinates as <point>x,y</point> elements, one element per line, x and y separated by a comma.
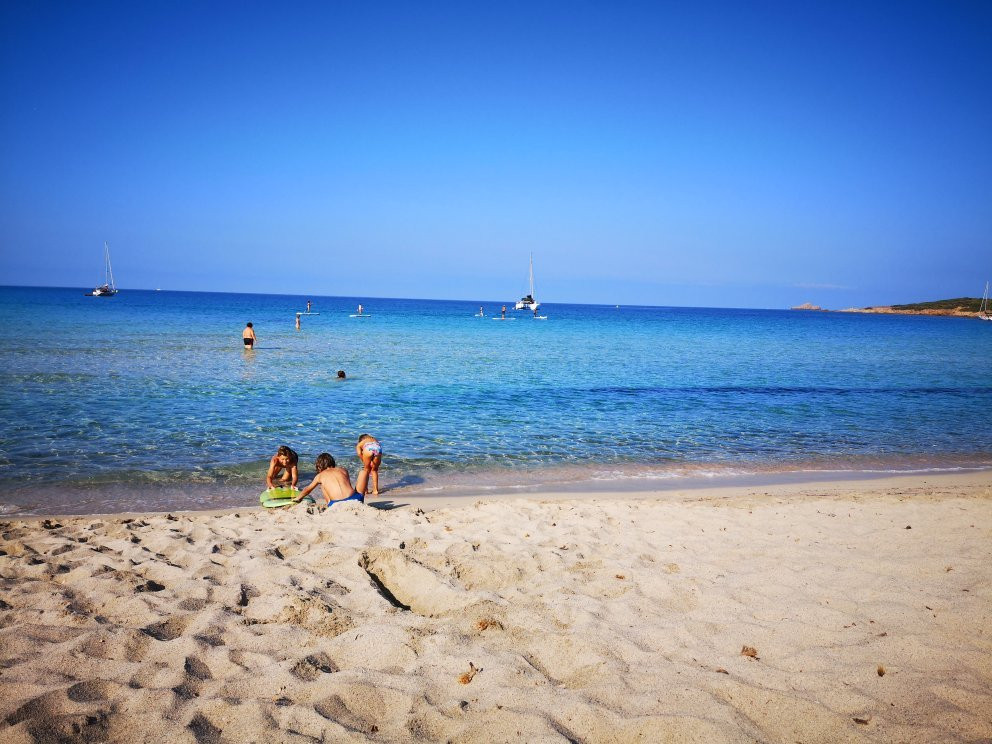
<point>817,612</point>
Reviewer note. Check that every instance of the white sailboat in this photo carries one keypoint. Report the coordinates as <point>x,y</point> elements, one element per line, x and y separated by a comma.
<point>528,302</point>
<point>108,288</point>
<point>983,309</point>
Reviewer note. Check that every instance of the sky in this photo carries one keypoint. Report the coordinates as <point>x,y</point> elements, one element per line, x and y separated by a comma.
<point>729,154</point>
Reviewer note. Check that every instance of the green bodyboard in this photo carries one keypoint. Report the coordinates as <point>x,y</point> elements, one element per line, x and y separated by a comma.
<point>273,498</point>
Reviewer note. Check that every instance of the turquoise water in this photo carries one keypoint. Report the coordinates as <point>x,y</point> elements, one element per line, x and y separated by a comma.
<point>154,389</point>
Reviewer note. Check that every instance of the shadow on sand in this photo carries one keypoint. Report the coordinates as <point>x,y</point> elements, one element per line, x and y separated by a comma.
<point>384,504</point>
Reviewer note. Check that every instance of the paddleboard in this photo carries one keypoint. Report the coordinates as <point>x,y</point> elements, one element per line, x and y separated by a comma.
<point>540,317</point>
<point>504,318</point>
<point>272,498</point>
<point>480,315</point>
<point>363,315</point>
<point>309,313</point>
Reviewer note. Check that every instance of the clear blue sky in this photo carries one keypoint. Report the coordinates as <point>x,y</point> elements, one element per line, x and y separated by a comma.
<point>727,154</point>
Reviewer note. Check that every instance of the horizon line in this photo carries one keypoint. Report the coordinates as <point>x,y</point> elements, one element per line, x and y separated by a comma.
<point>376,297</point>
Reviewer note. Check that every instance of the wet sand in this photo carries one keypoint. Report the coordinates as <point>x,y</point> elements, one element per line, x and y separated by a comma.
<point>840,611</point>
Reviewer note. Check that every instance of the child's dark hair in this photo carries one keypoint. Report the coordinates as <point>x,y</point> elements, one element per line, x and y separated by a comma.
<point>323,462</point>
<point>293,457</point>
<point>249,325</point>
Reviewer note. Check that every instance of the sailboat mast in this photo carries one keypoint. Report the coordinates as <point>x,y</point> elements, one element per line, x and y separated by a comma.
<point>532,276</point>
<point>108,270</point>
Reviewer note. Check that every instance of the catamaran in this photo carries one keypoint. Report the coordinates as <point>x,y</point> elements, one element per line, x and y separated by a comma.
<point>528,302</point>
<point>983,309</point>
<point>107,289</point>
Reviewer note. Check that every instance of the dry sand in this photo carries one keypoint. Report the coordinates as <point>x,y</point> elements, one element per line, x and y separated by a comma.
<point>868,606</point>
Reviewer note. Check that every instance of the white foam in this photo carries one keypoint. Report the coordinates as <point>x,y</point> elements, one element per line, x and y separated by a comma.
<point>902,471</point>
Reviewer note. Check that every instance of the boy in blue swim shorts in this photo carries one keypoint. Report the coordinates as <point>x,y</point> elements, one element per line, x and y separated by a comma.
<point>335,485</point>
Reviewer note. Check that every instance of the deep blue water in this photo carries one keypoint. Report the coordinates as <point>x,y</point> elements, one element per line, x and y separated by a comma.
<point>154,388</point>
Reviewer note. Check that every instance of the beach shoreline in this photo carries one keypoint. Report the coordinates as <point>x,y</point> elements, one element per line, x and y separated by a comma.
<point>126,499</point>
<point>826,611</point>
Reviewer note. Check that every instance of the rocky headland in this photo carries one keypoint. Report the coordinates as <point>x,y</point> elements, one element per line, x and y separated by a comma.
<point>963,307</point>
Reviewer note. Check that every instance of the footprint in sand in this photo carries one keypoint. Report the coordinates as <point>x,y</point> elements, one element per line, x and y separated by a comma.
<point>92,690</point>
<point>55,717</point>
<point>150,586</point>
<point>167,630</point>
<point>203,730</point>
<point>363,708</point>
<point>193,604</point>
<point>309,668</point>
<point>127,645</point>
<point>248,593</point>
<point>196,668</point>
<point>196,672</point>
<point>213,637</point>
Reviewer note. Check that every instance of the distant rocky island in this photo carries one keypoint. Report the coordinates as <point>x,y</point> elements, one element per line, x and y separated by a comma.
<point>806,306</point>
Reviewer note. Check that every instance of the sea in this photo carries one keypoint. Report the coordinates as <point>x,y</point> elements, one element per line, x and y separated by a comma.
<point>148,401</point>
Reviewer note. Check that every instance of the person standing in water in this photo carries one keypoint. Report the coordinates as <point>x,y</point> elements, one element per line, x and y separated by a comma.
<point>308,307</point>
<point>297,321</point>
<point>248,337</point>
<point>502,313</point>
<point>360,308</point>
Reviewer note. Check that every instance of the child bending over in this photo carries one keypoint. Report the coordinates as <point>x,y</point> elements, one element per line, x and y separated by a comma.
<point>369,451</point>
<point>283,460</point>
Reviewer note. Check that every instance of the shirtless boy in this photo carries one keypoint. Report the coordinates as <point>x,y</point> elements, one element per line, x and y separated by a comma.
<point>248,336</point>
<point>334,482</point>
<point>369,451</point>
<point>283,461</point>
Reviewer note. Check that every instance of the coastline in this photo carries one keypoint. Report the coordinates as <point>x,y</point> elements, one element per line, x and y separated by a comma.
<point>896,311</point>
<point>558,482</point>
<point>604,616</point>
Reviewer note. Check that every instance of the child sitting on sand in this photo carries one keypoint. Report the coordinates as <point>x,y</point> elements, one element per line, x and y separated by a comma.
<point>370,453</point>
<point>334,483</point>
<point>286,460</point>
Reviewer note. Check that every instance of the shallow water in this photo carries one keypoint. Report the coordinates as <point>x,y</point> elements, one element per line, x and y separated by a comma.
<point>153,389</point>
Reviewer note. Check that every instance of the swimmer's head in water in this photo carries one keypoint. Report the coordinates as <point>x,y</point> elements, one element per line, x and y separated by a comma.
<point>289,454</point>
<point>323,462</point>
<point>341,374</point>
